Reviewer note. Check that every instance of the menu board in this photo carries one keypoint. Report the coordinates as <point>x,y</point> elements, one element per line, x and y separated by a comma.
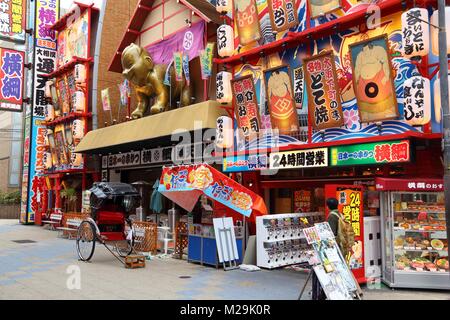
<point>323,91</point>
<point>247,112</point>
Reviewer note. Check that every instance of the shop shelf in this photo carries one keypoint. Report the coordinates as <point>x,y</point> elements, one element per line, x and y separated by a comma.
<point>442,253</point>
<point>71,116</point>
<point>443,272</point>
<point>423,231</point>
<point>68,66</point>
<point>416,211</point>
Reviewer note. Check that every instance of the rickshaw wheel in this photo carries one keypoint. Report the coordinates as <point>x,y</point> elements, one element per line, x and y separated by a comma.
<point>86,237</point>
<point>125,248</point>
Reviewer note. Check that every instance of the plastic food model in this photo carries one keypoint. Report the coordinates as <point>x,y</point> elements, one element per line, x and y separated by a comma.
<point>419,241</point>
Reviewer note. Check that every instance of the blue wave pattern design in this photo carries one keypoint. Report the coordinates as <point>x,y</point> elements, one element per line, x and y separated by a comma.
<point>388,128</point>
<point>270,141</point>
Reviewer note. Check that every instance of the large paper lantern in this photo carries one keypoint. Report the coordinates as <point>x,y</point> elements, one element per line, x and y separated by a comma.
<point>415,32</point>
<point>49,112</point>
<point>224,132</point>
<point>76,159</point>
<point>47,159</point>
<point>437,98</point>
<point>46,140</point>
<point>224,6</point>
<point>79,101</point>
<point>225,40</point>
<point>80,73</point>
<point>78,129</point>
<point>417,101</point>
<point>48,89</point>
<point>435,31</point>
<point>224,93</point>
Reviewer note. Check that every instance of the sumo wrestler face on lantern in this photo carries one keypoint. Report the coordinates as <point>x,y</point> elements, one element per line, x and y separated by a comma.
<point>372,80</point>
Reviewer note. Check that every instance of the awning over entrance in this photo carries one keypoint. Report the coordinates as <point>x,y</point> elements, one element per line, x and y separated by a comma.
<point>131,135</point>
<point>184,185</point>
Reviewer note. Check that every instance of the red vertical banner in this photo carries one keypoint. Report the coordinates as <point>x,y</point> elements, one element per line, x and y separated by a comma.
<point>351,207</point>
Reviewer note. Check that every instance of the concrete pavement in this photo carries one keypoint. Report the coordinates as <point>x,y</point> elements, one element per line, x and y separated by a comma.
<point>39,271</point>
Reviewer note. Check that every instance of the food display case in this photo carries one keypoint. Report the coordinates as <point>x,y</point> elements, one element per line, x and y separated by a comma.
<point>415,250</point>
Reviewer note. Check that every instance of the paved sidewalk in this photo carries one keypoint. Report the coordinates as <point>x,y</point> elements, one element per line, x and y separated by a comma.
<point>39,271</point>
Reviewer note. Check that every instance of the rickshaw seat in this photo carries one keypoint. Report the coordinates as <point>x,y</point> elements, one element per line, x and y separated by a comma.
<point>110,217</point>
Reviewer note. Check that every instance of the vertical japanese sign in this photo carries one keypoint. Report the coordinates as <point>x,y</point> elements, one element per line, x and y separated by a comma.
<point>206,57</point>
<point>323,92</point>
<point>106,101</point>
<point>299,86</point>
<point>247,21</point>
<point>283,112</point>
<point>187,73</point>
<point>283,14</point>
<point>351,208</point>
<point>178,65</point>
<point>11,79</point>
<point>13,19</point>
<point>246,105</point>
<point>46,14</point>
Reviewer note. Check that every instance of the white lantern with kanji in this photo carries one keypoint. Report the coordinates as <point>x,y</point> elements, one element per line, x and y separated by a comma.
<point>224,132</point>
<point>78,129</point>
<point>46,140</point>
<point>49,112</point>
<point>417,101</point>
<point>224,94</point>
<point>435,31</point>
<point>415,32</point>
<point>76,159</point>
<point>80,73</point>
<point>47,159</point>
<point>79,101</point>
<point>437,97</point>
<point>224,6</point>
<point>225,41</point>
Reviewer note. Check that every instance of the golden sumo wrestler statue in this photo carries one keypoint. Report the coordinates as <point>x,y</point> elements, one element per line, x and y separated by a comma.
<point>148,79</point>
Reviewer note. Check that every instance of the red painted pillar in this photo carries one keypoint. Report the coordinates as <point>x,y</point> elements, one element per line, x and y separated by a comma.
<point>57,193</point>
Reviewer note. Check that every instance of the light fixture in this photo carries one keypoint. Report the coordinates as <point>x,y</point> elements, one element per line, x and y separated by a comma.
<point>225,40</point>
<point>415,33</point>
<point>417,101</point>
<point>78,129</point>
<point>224,132</point>
<point>224,6</point>
<point>435,31</point>
<point>224,93</point>
<point>437,98</point>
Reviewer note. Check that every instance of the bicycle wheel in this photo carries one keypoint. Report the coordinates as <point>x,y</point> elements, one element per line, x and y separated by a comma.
<point>86,237</point>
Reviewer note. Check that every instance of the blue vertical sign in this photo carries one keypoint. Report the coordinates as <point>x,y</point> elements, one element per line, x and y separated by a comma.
<point>46,14</point>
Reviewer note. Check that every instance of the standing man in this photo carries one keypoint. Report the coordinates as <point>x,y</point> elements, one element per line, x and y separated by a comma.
<point>333,220</point>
